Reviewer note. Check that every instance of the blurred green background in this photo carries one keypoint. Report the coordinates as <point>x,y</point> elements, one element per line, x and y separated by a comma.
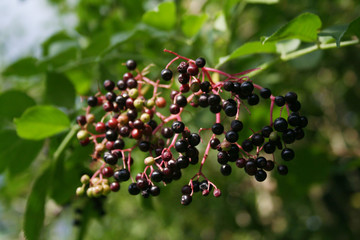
<point>54,51</point>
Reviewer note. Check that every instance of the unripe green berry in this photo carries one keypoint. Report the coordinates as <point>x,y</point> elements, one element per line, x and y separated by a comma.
<point>150,103</point>
<point>194,86</point>
<point>195,99</point>
<point>225,145</point>
<point>273,136</point>
<point>138,103</point>
<point>106,189</point>
<point>80,191</point>
<point>90,192</point>
<point>98,190</point>
<point>149,161</point>
<point>82,134</point>
<point>95,181</point>
<point>90,118</point>
<point>85,179</point>
<point>133,93</point>
<point>145,117</point>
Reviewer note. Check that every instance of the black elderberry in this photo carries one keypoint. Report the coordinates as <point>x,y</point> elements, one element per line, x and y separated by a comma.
<point>215,109</point>
<point>196,186</point>
<point>131,83</point>
<point>133,189</point>
<point>269,147</point>
<point>144,146</point>
<point>119,144</point>
<point>222,157</point>
<point>203,100</point>
<point>269,165</point>
<point>186,200</point>
<point>183,78</point>
<point>230,110</point>
<point>257,139</point>
<point>293,119</point>
<point>214,143</point>
<point>260,162</point>
<point>295,107</point>
<point>225,169</point>
<point>287,154</point>
<point>200,62</point>
<point>174,109</point>
<point>265,93</point>
<point>282,169</point>
<point>194,160</point>
<point>253,99</point>
<point>124,131</point>
<point>120,101</point>
<point>181,101</point>
<point>131,64</point>
<point>205,86</point>
<point>178,127</point>
<point>246,88</point>
<point>266,131</point>
<point>194,139</point>
<point>217,128</point>
<point>214,99</point>
<point>236,125</point>
<point>154,191</point>
<point>192,70</point>
<point>228,103</point>
<point>176,175</point>
<point>192,152</point>
<point>166,74</point>
<point>250,167</point>
<point>122,175</point>
<point>299,133</point>
<point>110,96</point>
<point>280,124</point>
<point>228,86</point>
<point>156,176</point>
<point>81,120</point>
<point>280,101</point>
<point>181,145</point>
<point>182,162</point>
<point>260,175</point>
<point>142,183</point>
<point>121,84</point>
<point>231,136</point>
<point>186,189</point>
<point>303,122</point>
<point>110,159</point>
<point>247,145</point>
<point>290,97</point>
<point>111,135</point>
<point>92,101</point>
<point>182,67</point>
<point>204,185</point>
<point>109,85</point>
<point>240,163</point>
<point>132,114</point>
<point>236,89</point>
<point>153,124</point>
<point>289,136</point>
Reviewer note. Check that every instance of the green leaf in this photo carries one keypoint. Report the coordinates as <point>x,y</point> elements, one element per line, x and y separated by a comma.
<point>263,1</point>
<point>97,45</point>
<point>59,90</point>
<point>287,46</point>
<point>35,207</point>
<point>303,27</point>
<point>57,37</point>
<point>80,79</point>
<point>249,48</point>
<point>17,154</point>
<point>13,103</point>
<point>163,17</point>
<point>40,122</point>
<point>24,67</point>
<point>191,24</point>
<point>340,31</point>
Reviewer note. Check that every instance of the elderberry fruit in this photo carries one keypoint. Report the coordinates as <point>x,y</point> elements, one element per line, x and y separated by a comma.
<point>287,154</point>
<point>111,135</point>
<point>247,145</point>
<point>290,97</point>
<point>119,144</point>
<point>181,101</point>
<point>214,143</point>
<point>121,84</point>
<point>260,175</point>
<point>92,101</point>
<point>167,132</point>
<point>299,133</point>
<point>131,64</point>
<point>133,189</point>
<point>81,120</point>
<point>215,109</point>
<point>289,136</point>
<point>214,99</point>
<point>122,175</point>
<point>154,191</point>
<point>205,86</point>
<point>230,110</point>
<point>266,131</point>
<point>253,99</point>
<point>295,107</point>
<point>174,109</point>
<point>246,88</point>
<point>240,163</point>
<point>293,119</point>
<point>257,139</point>
<point>217,128</point>
<point>186,200</point>
<point>228,86</point>
<point>183,78</point>
<point>265,93</point>
<point>144,146</point>
<point>269,147</point>
<point>192,69</point>
<point>303,122</point>
<point>280,101</point>
<point>186,189</point>
<point>109,85</point>
<point>225,169</point>
<point>114,186</point>
<point>131,83</point>
<point>200,62</point>
<point>156,176</point>
<point>250,167</point>
<point>260,162</point>
<point>282,169</point>
<point>166,74</point>
<point>203,100</point>
<point>236,125</point>
<point>280,124</point>
<point>196,186</point>
<point>269,165</point>
<point>194,139</point>
<point>222,157</point>
<point>182,162</point>
<point>182,67</point>
<point>178,127</point>
<point>231,136</point>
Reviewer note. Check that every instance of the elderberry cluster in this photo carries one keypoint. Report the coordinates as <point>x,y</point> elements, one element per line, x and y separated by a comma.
<point>131,121</point>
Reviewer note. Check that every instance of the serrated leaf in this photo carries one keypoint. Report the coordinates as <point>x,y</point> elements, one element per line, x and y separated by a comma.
<point>191,24</point>
<point>249,48</point>
<point>35,207</point>
<point>303,27</point>
<point>263,1</point>
<point>40,122</point>
<point>24,67</point>
<point>59,90</point>
<point>163,17</point>
<point>13,103</point>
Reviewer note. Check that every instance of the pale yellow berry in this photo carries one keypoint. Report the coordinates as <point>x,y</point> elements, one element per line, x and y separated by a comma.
<point>85,179</point>
<point>99,147</point>
<point>80,191</point>
<point>90,118</point>
<point>90,192</point>
<point>82,134</point>
<point>149,161</point>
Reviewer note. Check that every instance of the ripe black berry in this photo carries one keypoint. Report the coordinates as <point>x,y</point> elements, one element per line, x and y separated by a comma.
<point>230,110</point>
<point>280,124</point>
<point>280,101</point>
<point>282,169</point>
<point>247,145</point>
<point>166,74</point>
<point>192,70</point>
<point>266,131</point>
<point>181,101</point>
<point>167,132</point>
<point>156,176</point>
<point>260,175</point>
<point>121,84</point>
<point>154,191</point>
<point>294,119</point>
<point>110,158</point>
<point>182,67</point>
<point>131,83</point>
<point>205,86</point>
<point>119,144</point>
<point>214,143</point>
<point>269,147</point>
<point>295,107</point>
<point>178,127</point>
<point>182,162</point>
<point>92,101</point>
<point>200,62</point>
<point>225,169</point>
<point>81,120</point>
<point>186,199</point>
<point>257,139</point>
<point>222,157</point>
<point>250,167</point>
<point>144,146</point>
<point>174,109</point>
<point>290,97</point>
<point>303,122</point>
<point>287,154</point>
<point>109,85</point>
<point>111,135</point>
<point>228,86</point>
<point>214,99</point>
<point>240,163</point>
<point>217,128</point>
<point>289,136</point>
<point>246,88</point>
<point>236,125</point>
<point>131,64</point>
<point>122,175</point>
<point>194,139</point>
<point>181,145</point>
<point>186,189</point>
<point>265,93</point>
<point>133,189</point>
<point>203,100</point>
<point>299,133</point>
<point>215,109</point>
<point>183,78</point>
<point>231,136</point>
<point>269,165</point>
<point>253,99</point>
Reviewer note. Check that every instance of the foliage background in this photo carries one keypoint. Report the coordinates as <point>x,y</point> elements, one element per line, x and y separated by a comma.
<point>319,199</point>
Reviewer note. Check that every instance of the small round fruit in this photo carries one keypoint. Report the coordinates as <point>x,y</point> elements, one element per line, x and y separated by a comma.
<point>131,64</point>
<point>166,74</point>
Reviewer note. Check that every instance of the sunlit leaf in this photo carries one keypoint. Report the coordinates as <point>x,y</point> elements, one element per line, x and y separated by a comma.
<point>24,67</point>
<point>59,90</point>
<point>191,24</point>
<point>13,103</point>
<point>163,17</point>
